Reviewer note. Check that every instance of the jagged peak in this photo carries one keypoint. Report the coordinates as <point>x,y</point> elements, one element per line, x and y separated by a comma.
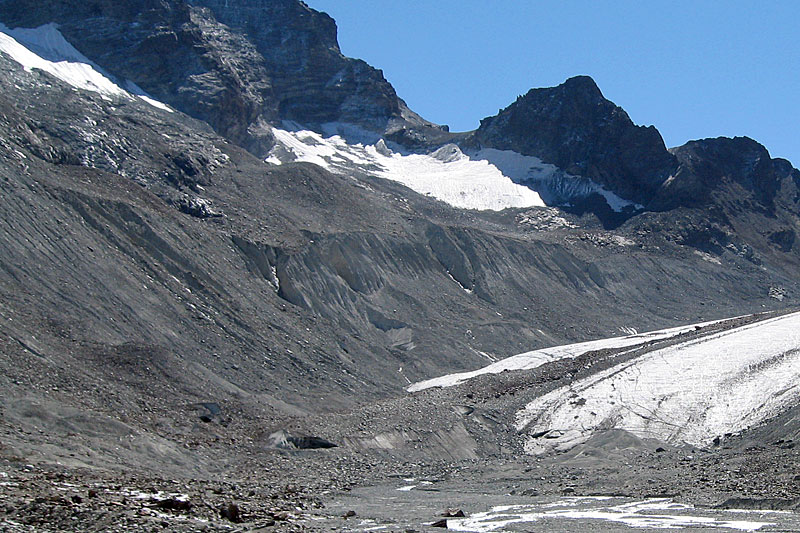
<point>577,129</point>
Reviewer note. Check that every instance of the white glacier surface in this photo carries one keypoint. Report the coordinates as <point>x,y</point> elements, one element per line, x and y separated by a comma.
<point>690,392</point>
<point>487,179</point>
<point>446,174</point>
<point>554,186</point>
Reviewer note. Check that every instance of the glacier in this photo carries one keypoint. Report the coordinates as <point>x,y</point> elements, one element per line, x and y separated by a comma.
<point>692,392</point>
<point>536,358</point>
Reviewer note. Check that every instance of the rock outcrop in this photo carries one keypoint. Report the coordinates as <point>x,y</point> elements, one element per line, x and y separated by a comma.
<point>178,54</point>
<point>709,164</point>
<point>313,82</point>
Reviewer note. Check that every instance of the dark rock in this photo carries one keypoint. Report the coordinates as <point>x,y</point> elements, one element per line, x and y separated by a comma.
<point>440,523</point>
<point>783,239</point>
<point>777,504</point>
<point>709,164</point>
<point>173,504</point>
<point>283,439</point>
<point>230,512</point>
<point>312,81</point>
<point>349,514</point>
<point>575,128</point>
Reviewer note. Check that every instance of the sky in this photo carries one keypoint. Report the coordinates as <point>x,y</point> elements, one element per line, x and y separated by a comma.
<point>693,69</point>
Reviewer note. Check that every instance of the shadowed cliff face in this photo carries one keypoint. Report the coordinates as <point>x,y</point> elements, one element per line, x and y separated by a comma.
<point>314,83</point>
<point>575,128</point>
<point>714,163</point>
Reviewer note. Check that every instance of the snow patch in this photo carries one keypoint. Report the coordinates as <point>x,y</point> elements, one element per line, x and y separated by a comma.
<point>140,93</point>
<point>705,256</point>
<point>554,185</point>
<point>487,179</point>
<point>45,48</point>
<point>446,175</point>
<point>465,289</point>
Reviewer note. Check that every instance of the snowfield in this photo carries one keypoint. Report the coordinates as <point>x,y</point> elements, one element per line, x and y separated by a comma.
<point>691,392</point>
<point>446,174</point>
<point>488,179</point>
<point>45,49</point>
<point>655,513</point>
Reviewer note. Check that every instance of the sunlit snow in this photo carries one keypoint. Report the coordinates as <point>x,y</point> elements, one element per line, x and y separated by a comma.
<point>554,186</point>
<point>486,179</point>
<point>44,48</point>
<point>690,392</point>
<point>446,174</point>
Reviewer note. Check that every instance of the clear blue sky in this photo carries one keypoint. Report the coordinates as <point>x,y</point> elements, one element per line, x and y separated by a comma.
<point>693,69</point>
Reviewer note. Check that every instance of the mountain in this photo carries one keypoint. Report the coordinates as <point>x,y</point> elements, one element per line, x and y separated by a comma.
<point>575,128</point>
<point>213,61</point>
<point>223,243</point>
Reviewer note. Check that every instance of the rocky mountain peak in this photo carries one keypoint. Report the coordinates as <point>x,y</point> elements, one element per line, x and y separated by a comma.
<point>313,82</point>
<point>271,23</point>
<point>25,14</point>
<point>574,127</point>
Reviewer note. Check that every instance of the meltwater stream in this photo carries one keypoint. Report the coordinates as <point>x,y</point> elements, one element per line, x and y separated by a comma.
<point>569,514</point>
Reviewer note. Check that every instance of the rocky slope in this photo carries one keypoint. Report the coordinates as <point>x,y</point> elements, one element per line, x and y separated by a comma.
<point>132,232</point>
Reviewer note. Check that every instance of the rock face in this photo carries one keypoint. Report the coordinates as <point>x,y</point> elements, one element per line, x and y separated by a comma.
<point>235,64</point>
<point>180,55</point>
<point>313,82</point>
<point>575,128</point>
<point>710,164</point>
